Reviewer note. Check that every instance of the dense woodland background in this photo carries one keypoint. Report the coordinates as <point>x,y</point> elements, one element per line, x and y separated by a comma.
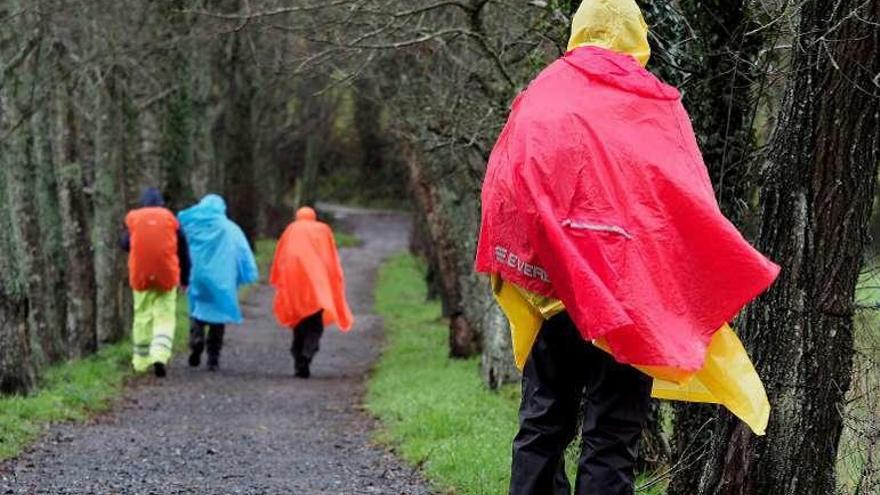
<point>396,103</point>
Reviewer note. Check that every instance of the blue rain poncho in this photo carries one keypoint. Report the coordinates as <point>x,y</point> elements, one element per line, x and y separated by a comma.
<point>222,261</point>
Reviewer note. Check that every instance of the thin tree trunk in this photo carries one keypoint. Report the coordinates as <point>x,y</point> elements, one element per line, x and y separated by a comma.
<point>20,173</point>
<point>816,205</point>
<point>654,448</point>
<point>18,364</point>
<point>177,141</point>
<point>496,361</point>
<point>692,430</point>
<point>463,341</point>
<point>234,140</point>
<point>50,257</point>
<point>450,203</point>
<point>17,372</point>
<point>305,191</point>
<point>80,323</point>
<point>112,152</point>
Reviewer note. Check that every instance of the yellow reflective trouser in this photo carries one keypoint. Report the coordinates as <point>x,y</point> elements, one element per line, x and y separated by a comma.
<point>153,327</point>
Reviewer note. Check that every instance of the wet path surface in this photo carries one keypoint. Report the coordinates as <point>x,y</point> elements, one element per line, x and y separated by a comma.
<point>251,428</point>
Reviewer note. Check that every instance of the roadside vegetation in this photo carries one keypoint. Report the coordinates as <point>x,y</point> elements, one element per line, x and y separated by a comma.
<point>436,412</point>
<point>74,391</point>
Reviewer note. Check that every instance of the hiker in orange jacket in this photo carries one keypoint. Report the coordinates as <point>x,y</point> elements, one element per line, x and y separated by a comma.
<point>157,263</point>
<point>310,286</point>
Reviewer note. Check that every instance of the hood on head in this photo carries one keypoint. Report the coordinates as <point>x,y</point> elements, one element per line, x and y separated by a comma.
<point>306,213</point>
<point>615,25</point>
<point>152,196</point>
<point>213,203</point>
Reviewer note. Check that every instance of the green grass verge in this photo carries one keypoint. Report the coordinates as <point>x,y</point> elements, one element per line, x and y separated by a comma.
<point>264,253</point>
<point>857,459</point>
<point>345,240</point>
<point>436,411</point>
<point>68,392</point>
<point>72,391</point>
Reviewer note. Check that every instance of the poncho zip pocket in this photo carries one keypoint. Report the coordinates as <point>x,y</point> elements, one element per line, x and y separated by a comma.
<point>594,227</point>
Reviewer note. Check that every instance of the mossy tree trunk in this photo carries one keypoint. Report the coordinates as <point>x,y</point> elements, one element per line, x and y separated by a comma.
<point>74,211</point>
<point>19,97</point>
<point>306,190</point>
<point>233,131</point>
<point>17,372</point>
<point>817,196</point>
<point>178,122</point>
<point>50,259</point>
<point>113,151</point>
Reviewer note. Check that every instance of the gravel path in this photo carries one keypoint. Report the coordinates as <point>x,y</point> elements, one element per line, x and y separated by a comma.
<point>251,428</point>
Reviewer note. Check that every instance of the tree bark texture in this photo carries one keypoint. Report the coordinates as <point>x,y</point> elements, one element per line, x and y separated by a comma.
<point>693,426</point>
<point>450,202</point>
<point>73,203</point>
<point>234,140</point>
<point>113,141</point>
<point>17,373</point>
<point>306,190</point>
<point>817,196</point>
<point>654,448</point>
<point>178,119</point>
<point>19,93</point>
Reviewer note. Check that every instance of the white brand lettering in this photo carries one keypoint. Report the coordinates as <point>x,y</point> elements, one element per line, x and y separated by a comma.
<point>506,257</point>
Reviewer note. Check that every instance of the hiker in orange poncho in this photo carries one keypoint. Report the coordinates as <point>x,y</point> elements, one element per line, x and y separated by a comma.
<point>309,285</point>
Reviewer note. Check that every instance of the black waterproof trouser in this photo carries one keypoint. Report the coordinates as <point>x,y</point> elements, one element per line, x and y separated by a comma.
<point>213,342</point>
<point>564,377</point>
<point>306,340</point>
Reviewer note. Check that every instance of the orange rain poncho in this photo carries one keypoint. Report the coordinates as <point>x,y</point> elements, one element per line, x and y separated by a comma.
<point>307,274</point>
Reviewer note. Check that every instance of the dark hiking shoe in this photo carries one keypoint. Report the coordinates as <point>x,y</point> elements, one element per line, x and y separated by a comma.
<point>213,363</point>
<point>195,359</point>
<point>159,370</point>
<point>302,372</point>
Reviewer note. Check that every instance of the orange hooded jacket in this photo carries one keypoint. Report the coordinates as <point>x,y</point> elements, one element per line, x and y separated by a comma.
<point>307,274</point>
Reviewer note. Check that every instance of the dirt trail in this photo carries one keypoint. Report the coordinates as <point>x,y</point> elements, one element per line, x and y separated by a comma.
<point>251,428</point>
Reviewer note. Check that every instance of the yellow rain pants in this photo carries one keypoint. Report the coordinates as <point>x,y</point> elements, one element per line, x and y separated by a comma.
<point>153,327</point>
<point>727,378</point>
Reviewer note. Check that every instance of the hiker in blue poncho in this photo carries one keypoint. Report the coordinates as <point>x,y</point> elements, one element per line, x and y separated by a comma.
<point>222,261</point>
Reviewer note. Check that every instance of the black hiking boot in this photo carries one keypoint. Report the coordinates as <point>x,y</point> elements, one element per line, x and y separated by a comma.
<point>302,371</point>
<point>195,359</point>
<point>213,363</point>
<point>159,370</point>
<point>196,342</point>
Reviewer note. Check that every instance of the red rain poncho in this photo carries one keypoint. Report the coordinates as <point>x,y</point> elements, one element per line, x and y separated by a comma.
<point>596,194</point>
<point>307,274</point>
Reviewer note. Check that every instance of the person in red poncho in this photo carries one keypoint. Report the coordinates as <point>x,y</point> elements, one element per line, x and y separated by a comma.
<point>310,286</point>
<point>601,225</point>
